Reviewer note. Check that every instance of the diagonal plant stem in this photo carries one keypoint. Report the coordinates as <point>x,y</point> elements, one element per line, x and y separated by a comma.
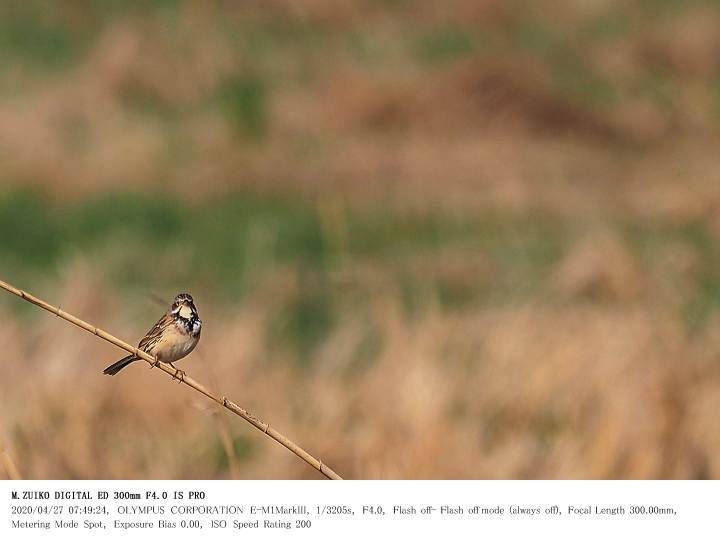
<point>182,377</point>
<point>12,471</point>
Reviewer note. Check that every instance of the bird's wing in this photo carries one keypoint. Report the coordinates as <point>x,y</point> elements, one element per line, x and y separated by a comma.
<point>151,338</point>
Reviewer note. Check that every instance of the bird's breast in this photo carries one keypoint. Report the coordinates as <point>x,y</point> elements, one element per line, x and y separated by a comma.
<point>174,344</point>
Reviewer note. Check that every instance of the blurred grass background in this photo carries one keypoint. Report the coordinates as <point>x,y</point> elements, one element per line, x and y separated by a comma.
<point>427,240</point>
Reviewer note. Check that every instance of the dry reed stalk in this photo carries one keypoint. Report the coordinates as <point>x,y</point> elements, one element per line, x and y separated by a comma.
<point>223,427</point>
<point>227,443</point>
<point>182,377</point>
<point>8,464</point>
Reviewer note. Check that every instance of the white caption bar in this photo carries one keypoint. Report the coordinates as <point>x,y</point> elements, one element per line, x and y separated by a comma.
<point>323,510</point>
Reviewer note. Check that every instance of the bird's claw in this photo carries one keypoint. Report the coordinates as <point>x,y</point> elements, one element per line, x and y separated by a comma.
<point>179,374</point>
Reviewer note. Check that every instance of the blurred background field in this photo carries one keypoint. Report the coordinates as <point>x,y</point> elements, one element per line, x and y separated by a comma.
<point>462,239</point>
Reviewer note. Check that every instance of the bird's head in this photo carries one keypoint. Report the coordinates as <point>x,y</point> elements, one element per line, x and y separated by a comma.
<point>184,307</point>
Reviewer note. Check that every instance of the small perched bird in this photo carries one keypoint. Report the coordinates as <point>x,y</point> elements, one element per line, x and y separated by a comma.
<point>173,337</point>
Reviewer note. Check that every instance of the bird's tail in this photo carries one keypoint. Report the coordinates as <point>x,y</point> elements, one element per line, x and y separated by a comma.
<point>116,367</point>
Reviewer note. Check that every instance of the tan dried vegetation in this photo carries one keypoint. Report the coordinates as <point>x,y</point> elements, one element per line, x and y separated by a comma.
<point>478,109</point>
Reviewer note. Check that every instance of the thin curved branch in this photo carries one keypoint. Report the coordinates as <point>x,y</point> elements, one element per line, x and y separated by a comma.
<point>180,375</point>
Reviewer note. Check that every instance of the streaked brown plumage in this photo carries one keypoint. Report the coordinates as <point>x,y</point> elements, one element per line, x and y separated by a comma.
<point>172,337</point>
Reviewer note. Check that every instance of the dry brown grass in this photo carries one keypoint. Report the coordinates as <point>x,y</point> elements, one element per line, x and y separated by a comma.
<point>391,127</point>
<point>182,378</point>
<point>574,391</point>
<point>598,376</point>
